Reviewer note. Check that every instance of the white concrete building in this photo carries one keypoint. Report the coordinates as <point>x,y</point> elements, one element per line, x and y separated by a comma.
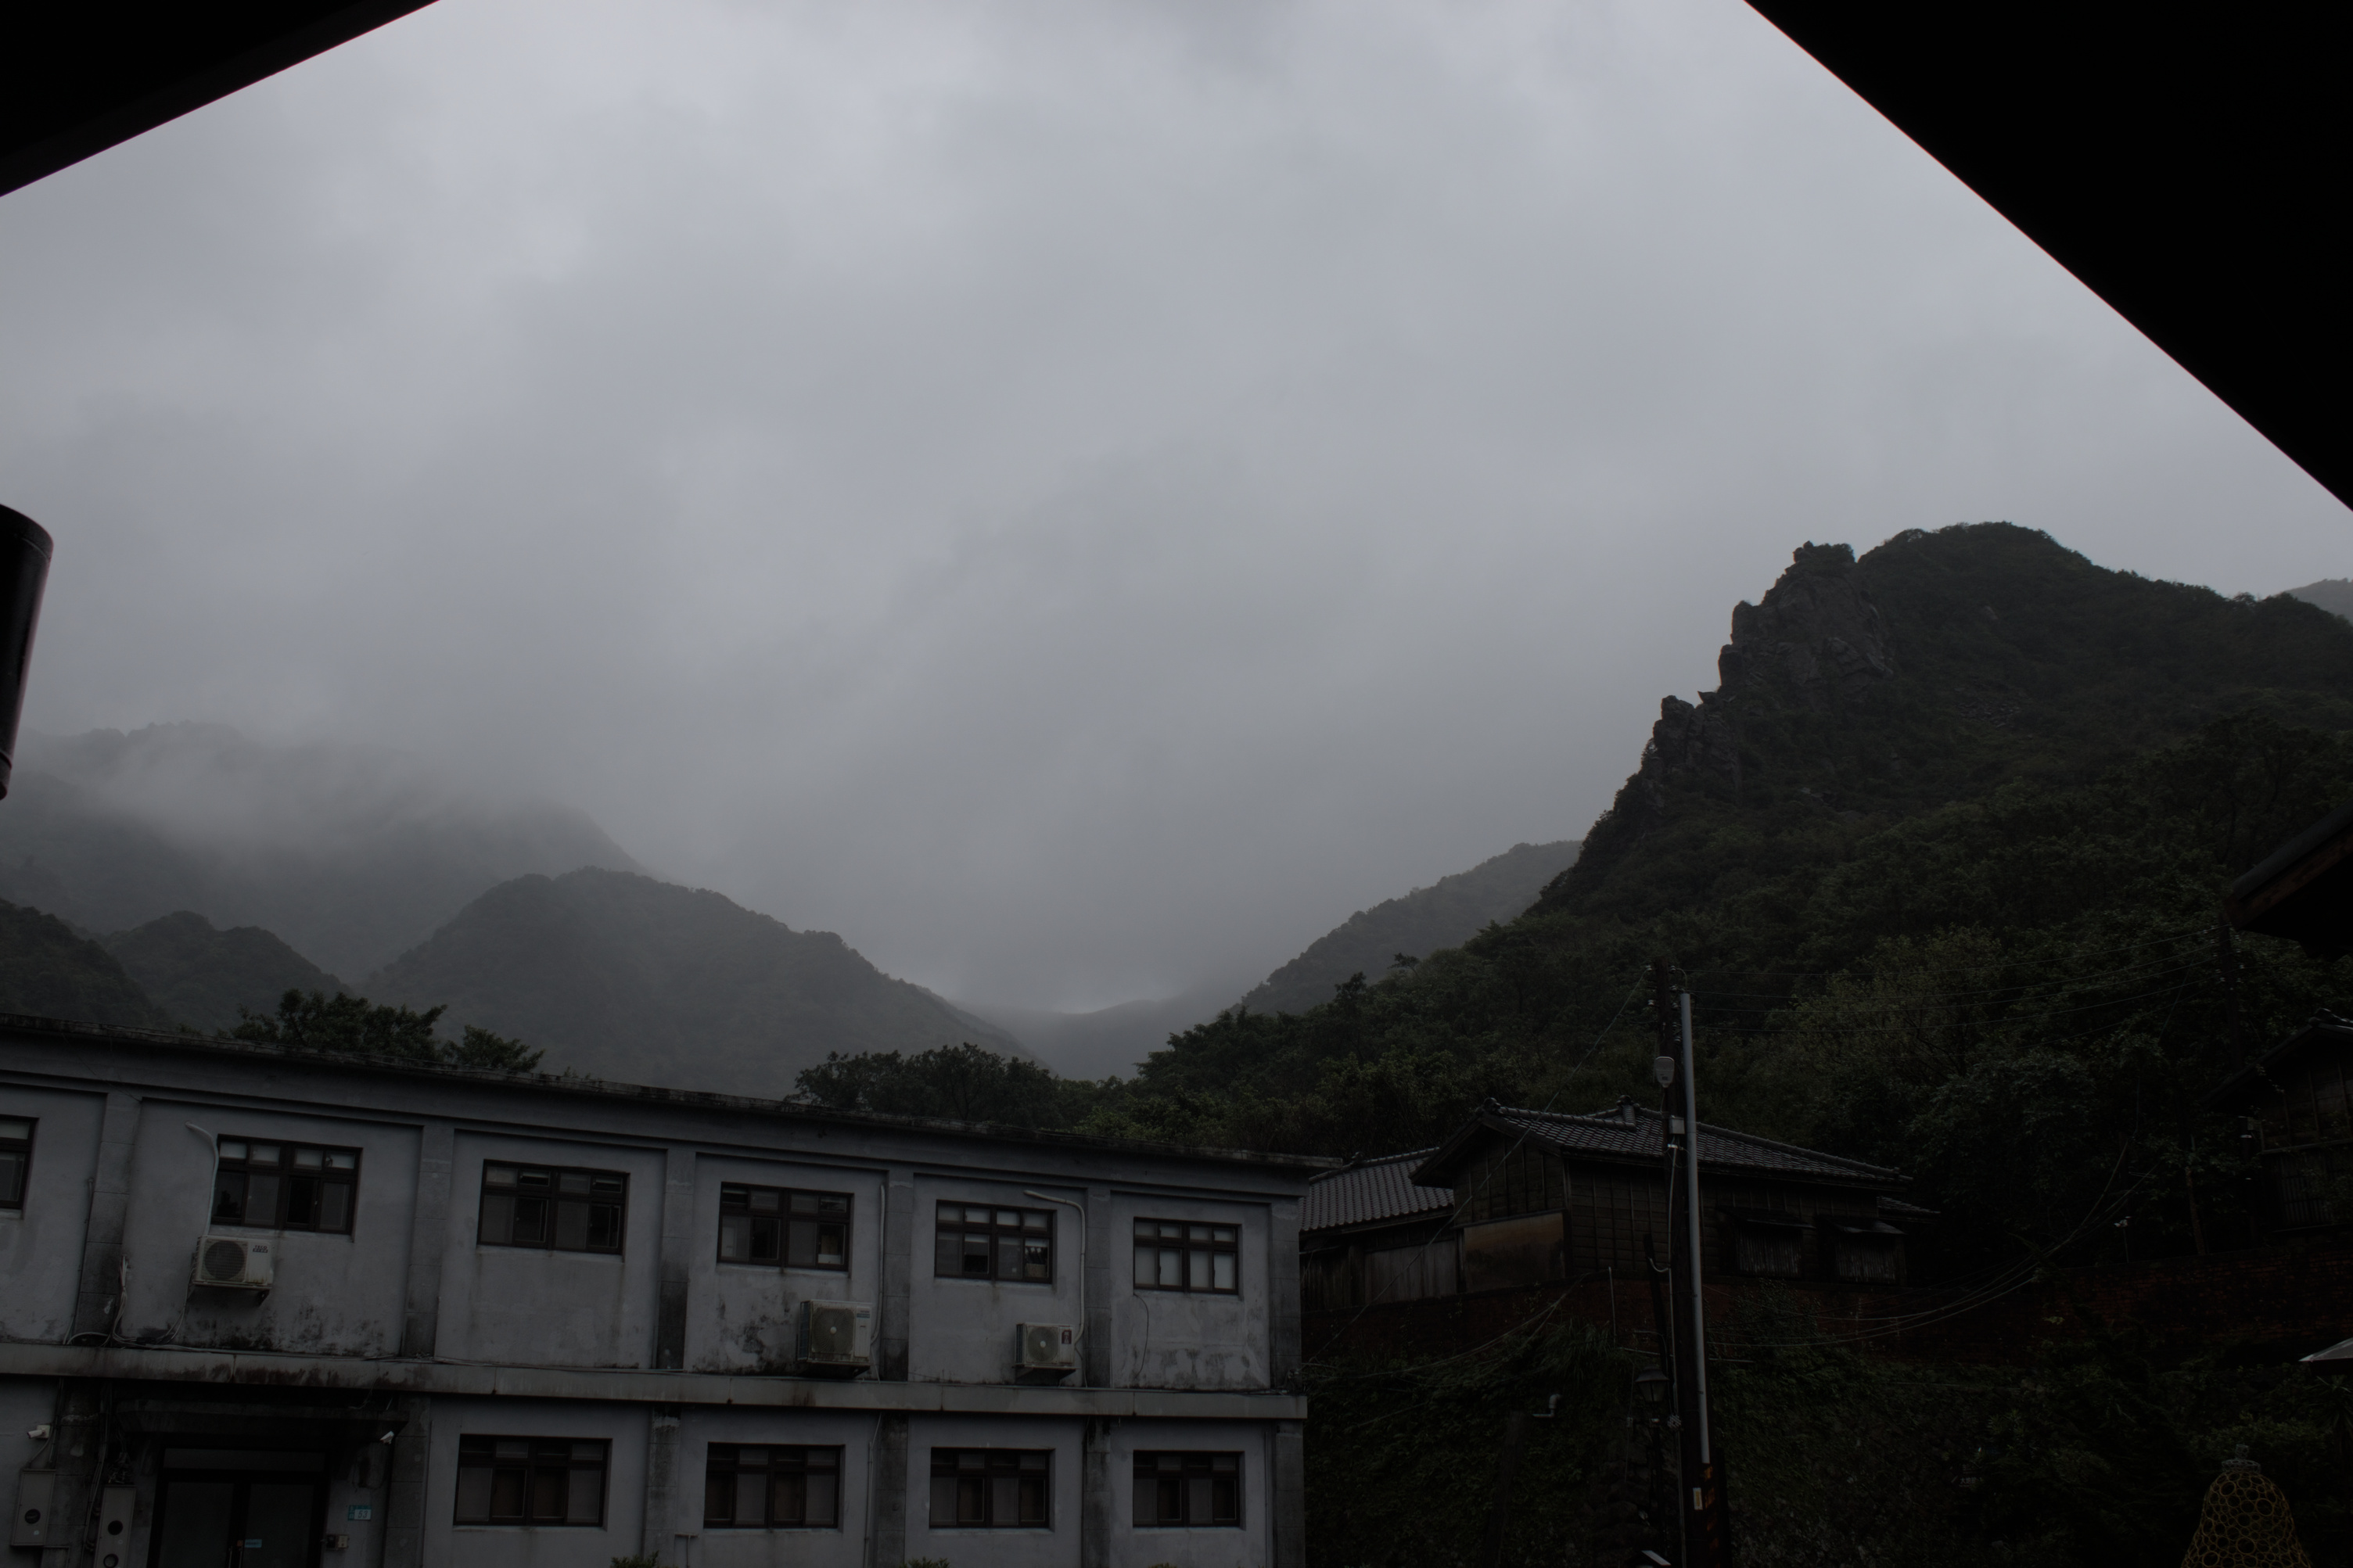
<point>267,1309</point>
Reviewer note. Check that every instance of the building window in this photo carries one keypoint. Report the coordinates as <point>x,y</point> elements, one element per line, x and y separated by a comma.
<point>1766,1249</point>
<point>15,1159</point>
<point>285,1186</point>
<point>552,1209</point>
<point>991,1489</point>
<point>746,1488</point>
<point>531,1481</point>
<point>1188,1489</point>
<point>776,1224</point>
<point>1173,1254</point>
<point>978,1243</point>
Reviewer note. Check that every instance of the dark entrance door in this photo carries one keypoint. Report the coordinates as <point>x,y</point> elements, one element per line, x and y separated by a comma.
<point>239,1508</point>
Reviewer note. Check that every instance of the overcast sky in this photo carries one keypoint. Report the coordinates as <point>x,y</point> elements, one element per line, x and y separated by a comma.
<point>1076,496</point>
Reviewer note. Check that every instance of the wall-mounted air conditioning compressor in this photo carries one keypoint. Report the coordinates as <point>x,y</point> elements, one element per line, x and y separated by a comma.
<point>1047,1347</point>
<point>835,1337</point>
<point>233,1263</point>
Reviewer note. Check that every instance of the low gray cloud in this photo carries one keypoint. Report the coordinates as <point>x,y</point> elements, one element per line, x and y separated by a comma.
<point>1078,499</point>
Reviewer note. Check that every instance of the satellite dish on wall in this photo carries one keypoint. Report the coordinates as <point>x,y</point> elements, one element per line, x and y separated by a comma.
<point>25,548</point>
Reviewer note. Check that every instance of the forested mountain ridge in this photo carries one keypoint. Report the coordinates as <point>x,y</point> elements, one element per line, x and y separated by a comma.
<point>1447,913</point>
<point>1944,883</point>
<point>621,976</point>
<point>350,854</point>
<point>207,979</point>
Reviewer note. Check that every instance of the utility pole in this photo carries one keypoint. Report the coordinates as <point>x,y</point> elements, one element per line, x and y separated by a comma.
<point>1699,1495</point>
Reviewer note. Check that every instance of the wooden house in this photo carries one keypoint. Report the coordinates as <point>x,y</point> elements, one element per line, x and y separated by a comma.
<point>1519,1197</point>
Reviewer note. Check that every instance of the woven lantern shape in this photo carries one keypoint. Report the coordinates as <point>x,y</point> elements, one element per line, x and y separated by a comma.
<point>2244,1523</point>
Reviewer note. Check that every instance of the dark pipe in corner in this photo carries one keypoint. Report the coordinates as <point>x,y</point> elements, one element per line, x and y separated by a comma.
<point>25,548</point>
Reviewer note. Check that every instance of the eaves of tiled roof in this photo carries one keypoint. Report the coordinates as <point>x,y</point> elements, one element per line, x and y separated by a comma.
<point>1370,1192</point>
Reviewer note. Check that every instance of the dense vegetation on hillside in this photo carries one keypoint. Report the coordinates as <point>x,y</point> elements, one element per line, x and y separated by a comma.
<point>47,971</point>
<point>209,978</point>
<point>1445,914</point>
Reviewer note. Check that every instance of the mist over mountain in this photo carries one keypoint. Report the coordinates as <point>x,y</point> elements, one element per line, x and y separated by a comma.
<point>349,854</point>
<point>203,976</point>
<point>1107,1041</point>
<point>2334,594</point>
<point>1447,913</point>
<point>620,977</point>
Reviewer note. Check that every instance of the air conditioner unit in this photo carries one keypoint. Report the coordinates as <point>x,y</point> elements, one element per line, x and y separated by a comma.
<point>836,1336</point>
<point>233,1263</point>
<point>1048,1347</point>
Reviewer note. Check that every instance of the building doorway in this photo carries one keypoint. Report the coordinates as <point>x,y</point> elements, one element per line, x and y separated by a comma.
<point>239,1508</point>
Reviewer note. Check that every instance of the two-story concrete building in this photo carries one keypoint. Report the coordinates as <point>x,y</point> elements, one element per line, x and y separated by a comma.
<point>262,1308</point>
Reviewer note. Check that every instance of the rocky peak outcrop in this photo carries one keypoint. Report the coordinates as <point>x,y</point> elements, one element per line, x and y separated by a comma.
<point>1814,642</point>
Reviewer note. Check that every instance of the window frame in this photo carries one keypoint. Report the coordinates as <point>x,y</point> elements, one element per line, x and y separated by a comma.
<point>557,1199</point>
<point>1209,1248</point>
<point>1020,1232</point>
<point>1149,1470</point>
<point>785,1218</point>
<point>532,1464</point>
<point>997,1466</point>
<point>733,1470</point>
<point>22,1149</point>
<point>287,1172</point>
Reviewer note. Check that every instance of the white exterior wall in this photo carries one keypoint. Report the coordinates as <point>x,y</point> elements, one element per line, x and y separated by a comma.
<point>743,1318</point>
<point>964,1330</point>
<point>40,1245</point>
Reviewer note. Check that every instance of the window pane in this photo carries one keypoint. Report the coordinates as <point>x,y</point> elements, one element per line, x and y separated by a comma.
<point>12,1176</point>
<point>1004,1500</point>
<point>1196,1501</point>
<point>947,1256</point>
<point>719,1496</point>
<point>609,1186</point>
<point>605,1227</point>
<point>302,1201</point>
<point>1148,1501</point>
<point>1221,1273</point>
<point>804,1247</point>
<point>1009,1256</point>
<point>734,1231</point>
<point>548,1494</point>
<point>15,1128</point>
<point>262,1198</point>
<point>822,1485</point>
<point>1225,1233</point>
<point>587,1497</point>
<point>307,1159</point>
<point>232,1148</point>
<point>530,1222</point>
<point>944,1501</point>
<point>571,1225</point>
<point>572,1183</point>
<point>833,1204</point>
<point>1146,1230</point>
<point>789,1492</point>
<point>833,1246</point>
<point>334,1205</point>
<point>1197,1270</point>
<point>1172,1269</point>
<point>750,1499</point>
<point>1225,1501</point>
<point>228,1196</point>
<point>805,1203</point>
<point>1039,1221</point>
<point>765,1200</point>
<point>764,1240</point>
<point>532,1181</point>
<point>506,1492</point>
<point>473,1494</point>
<point>498,1175</point>
<point>1148,1266</point>
<point>1033,1499</point>
<point>972,1501</point>
<point>1009,1218</point>
<point>498,1218</point>
<point>975,1255</point>
<point>1040,1264</point>
<point>262,1154</point>
<point>341,1162</point>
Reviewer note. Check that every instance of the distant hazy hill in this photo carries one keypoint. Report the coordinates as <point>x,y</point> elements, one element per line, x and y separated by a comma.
<point>201,977</point>
<point>1447,913</point>
<point>350,854</point>
<point>1108,1040</point>
<point>46,970</point>
<point>624,977</point>
<point>2331,594</point>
